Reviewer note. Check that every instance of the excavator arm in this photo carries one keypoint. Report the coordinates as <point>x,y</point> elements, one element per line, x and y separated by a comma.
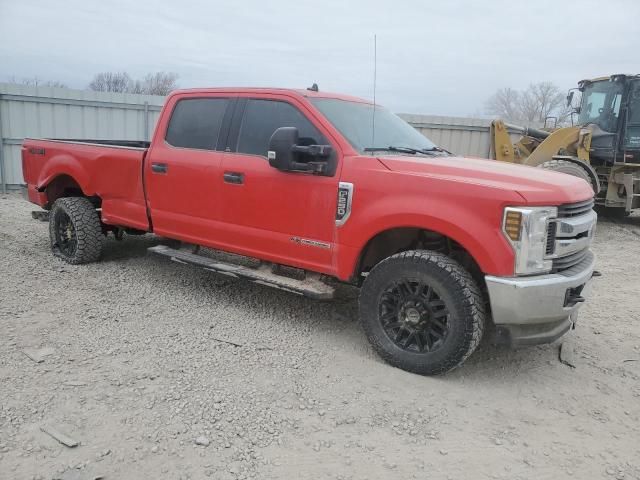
<point>542,148</point>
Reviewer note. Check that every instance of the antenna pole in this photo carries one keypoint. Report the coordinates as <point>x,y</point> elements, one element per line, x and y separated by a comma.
<point>375,71</point>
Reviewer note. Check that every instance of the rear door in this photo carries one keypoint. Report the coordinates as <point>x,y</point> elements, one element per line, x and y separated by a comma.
<point>182,169</point>
<point>287,217</point>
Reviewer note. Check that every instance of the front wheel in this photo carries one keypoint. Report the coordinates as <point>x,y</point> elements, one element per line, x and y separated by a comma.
<point>75,230</point>
<point>422,312</point>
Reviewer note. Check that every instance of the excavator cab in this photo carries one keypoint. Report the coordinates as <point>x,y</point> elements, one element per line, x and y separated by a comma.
<point>609,113</point>
<point>611,108</point>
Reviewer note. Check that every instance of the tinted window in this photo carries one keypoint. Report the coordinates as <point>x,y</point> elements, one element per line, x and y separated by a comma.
<point>195,123</point>
<point>263,117</point>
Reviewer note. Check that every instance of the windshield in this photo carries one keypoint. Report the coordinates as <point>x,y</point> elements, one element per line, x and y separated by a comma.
<point>601,105</point>
<point>355,121</point>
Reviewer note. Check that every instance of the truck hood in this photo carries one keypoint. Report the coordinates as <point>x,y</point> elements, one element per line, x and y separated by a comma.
<point>536,185</point>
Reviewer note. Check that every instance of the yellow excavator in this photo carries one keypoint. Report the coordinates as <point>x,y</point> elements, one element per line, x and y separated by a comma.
<point>603,148</point>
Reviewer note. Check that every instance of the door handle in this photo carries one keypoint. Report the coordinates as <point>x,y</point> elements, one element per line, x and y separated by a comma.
<point>235,178</point>
<point>159,167</point>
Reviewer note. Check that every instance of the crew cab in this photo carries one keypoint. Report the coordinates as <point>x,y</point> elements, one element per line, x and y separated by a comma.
<point>324,188</point>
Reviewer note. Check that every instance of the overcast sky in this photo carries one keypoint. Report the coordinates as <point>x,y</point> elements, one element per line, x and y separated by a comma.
<point>434,57</point>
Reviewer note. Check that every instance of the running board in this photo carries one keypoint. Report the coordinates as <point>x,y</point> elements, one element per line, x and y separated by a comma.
<point>310,287</point>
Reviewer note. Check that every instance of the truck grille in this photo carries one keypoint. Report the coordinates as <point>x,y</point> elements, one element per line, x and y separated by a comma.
<point>580,266</point>
<point>551,238</point>
<point>568,236</point>
<point>575,209</point>
<point>564,263</point>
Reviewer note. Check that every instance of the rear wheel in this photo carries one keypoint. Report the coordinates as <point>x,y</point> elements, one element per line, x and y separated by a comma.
<point>422,312</point>
<point>570,168</point>
<point>75,230</point>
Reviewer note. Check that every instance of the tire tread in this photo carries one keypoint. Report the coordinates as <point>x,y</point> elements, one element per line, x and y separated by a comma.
<point>468,293</point>
<point>87,226</point>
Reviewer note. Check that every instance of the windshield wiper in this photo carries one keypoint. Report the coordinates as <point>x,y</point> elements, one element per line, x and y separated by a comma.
<point>436,149</point>
<point>410,150</point>
<point>391,148</point>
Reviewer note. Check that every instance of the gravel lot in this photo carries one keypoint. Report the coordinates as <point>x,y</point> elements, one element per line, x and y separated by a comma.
<point>139,371</point>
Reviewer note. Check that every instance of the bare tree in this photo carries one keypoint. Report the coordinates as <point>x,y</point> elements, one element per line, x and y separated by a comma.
<point>111,82</point>
<point>505,103</point>
<point>159,83</point>
<point>37,82</point>
<point>532,106</point>
<point>543,100</point>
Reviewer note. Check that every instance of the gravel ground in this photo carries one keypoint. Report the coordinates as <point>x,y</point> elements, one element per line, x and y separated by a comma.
<point>162,371</point>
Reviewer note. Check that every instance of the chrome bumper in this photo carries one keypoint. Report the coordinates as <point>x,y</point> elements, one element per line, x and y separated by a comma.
<point>541,308</point>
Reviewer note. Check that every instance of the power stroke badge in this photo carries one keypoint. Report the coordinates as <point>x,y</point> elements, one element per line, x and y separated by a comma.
<point>345,197</point>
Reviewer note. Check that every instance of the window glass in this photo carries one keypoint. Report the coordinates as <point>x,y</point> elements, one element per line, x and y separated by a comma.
<point>355,120</point>
<point>601,104</point>
<point>263,117</point>
<point>634,103</point>
<point>632,136</point>
<point>195,123</point>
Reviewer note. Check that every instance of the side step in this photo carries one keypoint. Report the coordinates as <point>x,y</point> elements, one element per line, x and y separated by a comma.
<point>310,287</point>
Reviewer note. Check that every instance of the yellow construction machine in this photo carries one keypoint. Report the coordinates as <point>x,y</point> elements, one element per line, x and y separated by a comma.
<point>603,148</point>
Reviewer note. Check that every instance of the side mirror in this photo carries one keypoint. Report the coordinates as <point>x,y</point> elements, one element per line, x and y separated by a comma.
<point>285,153</point>
<point>569,98</point>
<point>281,145</point>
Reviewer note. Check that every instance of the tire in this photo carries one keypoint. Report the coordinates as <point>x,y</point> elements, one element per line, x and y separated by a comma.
<point>75,230</point>
<point>570,168</point>
<point>447,312</point>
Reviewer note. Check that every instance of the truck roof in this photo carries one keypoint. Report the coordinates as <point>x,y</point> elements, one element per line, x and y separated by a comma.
<point>609,77</point>
<point>299,92</point>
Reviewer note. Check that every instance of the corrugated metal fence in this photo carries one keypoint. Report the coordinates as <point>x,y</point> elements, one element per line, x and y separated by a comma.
<point>46,112</point>
<point>460,135</point>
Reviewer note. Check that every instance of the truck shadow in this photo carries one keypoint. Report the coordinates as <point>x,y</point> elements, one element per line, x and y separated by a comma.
<point>492,361</point>
<point>131,247</point>
<point>329,325</point>
<point>632,220</point>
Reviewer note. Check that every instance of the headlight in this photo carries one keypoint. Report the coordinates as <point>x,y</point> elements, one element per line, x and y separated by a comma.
<point>526,230</point>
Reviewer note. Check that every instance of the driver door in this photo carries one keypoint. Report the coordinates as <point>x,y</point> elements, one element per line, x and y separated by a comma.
<point>286,217</point>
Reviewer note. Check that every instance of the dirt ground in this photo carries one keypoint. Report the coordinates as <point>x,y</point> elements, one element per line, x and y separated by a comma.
<point>162,371</point>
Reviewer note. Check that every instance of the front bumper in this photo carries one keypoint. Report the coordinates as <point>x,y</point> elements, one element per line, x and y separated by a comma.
<point>540,308</point>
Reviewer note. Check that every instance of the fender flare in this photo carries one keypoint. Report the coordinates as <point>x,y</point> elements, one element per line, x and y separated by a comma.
<point>64,164</point>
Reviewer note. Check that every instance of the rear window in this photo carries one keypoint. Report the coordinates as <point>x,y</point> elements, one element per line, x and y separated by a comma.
<point>195,123</point>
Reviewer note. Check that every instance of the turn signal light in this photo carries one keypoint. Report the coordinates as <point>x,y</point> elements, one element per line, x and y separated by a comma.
<point>512,223</point>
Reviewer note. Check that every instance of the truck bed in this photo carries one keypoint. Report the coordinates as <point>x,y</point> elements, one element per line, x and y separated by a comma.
<point>111,143</point>
<point>109,169</point>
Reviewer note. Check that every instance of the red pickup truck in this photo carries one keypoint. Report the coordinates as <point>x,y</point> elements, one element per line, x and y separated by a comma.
<point>325,188</point>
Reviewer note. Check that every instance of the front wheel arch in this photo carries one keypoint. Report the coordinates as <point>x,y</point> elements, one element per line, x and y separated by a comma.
<point>396,240</point>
